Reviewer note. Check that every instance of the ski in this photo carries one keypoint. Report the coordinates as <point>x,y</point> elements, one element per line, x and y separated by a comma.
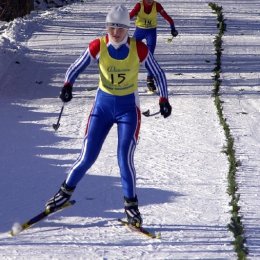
<point>140,230</point>
<point>169,40</point>
<point>151,92</point>
<point>18,228</point>
<point>148,92</point>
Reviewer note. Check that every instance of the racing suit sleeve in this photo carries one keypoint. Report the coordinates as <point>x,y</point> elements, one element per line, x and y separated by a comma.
<point>146,57</point>
<point>80,64</point>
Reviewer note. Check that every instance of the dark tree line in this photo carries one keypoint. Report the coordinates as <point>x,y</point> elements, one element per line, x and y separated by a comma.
<point>10,9</point>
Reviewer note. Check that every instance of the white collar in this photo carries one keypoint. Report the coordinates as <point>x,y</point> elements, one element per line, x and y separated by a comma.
<point>117,45</point>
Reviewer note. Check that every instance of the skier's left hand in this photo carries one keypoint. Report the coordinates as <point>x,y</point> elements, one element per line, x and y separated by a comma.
<point>174,32</point>
<point>165,107</point>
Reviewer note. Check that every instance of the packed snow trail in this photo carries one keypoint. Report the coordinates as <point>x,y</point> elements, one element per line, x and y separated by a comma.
<point>181,170</point>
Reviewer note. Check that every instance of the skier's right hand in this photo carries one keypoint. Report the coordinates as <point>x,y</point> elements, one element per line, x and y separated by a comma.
<point>66,93</point>
<point>174,32</point>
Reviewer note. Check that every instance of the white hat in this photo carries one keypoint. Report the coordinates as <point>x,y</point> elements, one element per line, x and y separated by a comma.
<point>118,16</point>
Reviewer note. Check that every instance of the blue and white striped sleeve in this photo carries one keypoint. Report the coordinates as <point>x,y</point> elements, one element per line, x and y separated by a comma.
<point>77,67</point>
<point>152,66</point>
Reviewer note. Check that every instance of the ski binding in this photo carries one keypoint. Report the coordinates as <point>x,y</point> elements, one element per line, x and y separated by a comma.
<point>140,230</point>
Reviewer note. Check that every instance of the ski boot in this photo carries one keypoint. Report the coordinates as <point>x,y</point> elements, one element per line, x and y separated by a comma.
<point>60,198</point>
<point>150,84</point>
<point>133,215</point>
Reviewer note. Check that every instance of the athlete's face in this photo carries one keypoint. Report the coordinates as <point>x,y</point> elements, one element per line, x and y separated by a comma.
<point>117,34</point>
<point>149,2</point>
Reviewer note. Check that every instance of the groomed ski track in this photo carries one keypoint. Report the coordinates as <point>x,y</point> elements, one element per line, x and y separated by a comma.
<point>181,169</point>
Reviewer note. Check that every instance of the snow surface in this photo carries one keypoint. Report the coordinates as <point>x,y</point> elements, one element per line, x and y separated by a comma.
<point>181,169</point>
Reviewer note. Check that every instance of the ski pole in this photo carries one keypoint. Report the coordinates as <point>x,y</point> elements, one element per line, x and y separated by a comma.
<point>57,125</point>
<point>147,113</point>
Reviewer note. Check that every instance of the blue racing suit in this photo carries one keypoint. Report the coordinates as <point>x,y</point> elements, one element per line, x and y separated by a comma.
<point>150,35</point>
<point>110,109</point>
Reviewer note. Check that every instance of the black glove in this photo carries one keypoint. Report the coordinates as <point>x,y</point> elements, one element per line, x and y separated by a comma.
<point>174,32</point>
<point>66,93</point>
<point>165,107</point>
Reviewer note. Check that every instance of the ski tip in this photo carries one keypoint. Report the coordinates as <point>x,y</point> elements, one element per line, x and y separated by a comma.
<point>151,92</point>
<point>16,229</point>
<point>169,40</point>
<point>158,235</point>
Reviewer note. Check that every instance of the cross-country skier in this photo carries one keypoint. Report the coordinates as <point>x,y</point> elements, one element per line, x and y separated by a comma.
<point>116,102</point>
<point>146,24</point>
